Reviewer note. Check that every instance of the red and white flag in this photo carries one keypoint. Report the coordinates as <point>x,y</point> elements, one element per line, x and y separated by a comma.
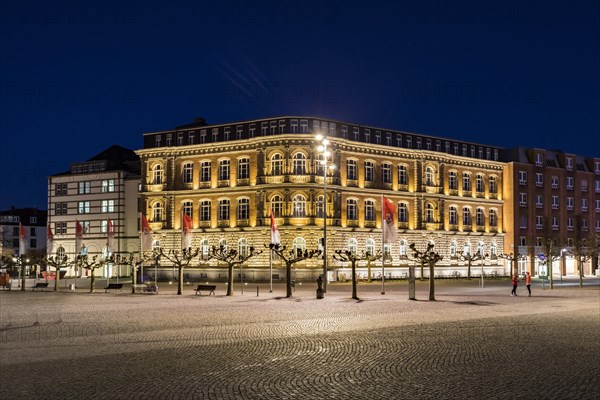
<point>110,235</point>
<point>49,240</point>
<point>78,236</point>
<point>186,231</point>
<point>275,238</point>
<point>22,239</point>
<point>388,220</point>
<point>146,234</point>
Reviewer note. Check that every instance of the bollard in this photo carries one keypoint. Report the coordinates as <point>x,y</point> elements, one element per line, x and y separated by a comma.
<point>257,291</point>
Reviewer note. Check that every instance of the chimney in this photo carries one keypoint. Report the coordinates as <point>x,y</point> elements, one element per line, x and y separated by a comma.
<point>200,121</point>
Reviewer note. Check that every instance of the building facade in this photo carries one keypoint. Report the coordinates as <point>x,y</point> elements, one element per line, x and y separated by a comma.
<point>550,196</point>
<point>96,193</point>
<point>34,222</point>
<point>229,177</point>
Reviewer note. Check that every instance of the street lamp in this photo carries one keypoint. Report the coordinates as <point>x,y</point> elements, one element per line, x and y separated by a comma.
<point>326,165</point>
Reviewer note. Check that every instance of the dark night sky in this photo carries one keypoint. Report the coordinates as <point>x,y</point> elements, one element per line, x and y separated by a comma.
<point>77,77</point>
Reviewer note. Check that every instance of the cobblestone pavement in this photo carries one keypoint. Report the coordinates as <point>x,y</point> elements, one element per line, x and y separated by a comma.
<point>471,343</point>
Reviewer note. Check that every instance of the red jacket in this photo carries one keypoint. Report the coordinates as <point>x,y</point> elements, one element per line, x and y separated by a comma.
<point>515,279</point>
<point>528,279</point>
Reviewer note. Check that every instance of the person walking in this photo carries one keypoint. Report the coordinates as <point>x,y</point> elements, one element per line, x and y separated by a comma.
<point>528,282</point>
<point>515,282</point>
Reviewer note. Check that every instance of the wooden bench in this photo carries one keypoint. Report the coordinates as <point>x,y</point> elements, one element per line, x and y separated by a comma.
<point>116,286</point>
<point>40,285</point>
<point>209,288</point>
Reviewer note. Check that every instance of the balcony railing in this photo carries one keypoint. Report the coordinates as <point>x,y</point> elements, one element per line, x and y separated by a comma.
<point>352,222</point>
<point>370,224</point>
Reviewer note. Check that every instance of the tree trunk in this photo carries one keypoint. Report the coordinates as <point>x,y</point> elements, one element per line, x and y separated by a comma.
<point>22,276</point>
<point>422,272</point>
<point>92,282</point>
<point>354,296</point>
<point>288,280</point>
<point>134,279</point>
<point>580,265</point>
<point>511,267</point>
<point>431,283</point>
<point>230,280</point>
<point>56,278</point>
<point>469,269</point>
<point>550,274</point>
<point>369,271</point>
<point>180,283</point>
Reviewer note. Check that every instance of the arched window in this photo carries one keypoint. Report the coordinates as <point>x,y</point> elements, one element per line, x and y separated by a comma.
<point>223,209</point>
<point>299,164</point>
<point>157,174</point>
<point>369,210</point>
<point>452,180</point>
<point>320,165</point>
<point>187,172</point>
<point>479,186</point>
<point>277,206</point>
<point>242,247</point>
<point>402,212</point>
<point>369,171</point>
<point>480,217</point>
<point>299,246</point>
<point>243,209</point>
<point>319,206</point>
<point>466,216</point>
<point>453,215</point>
<point>204,249</point>
<point>467,248</point>
<point>157,212</point>
<point>351,170</point>
<point>453,247</point>
<point>481,248</point>
<point>493,218</point>
<point>205,208</point>
<point>402,175</point>
<point>223,244</point>
<point>299,204</point>
<point>205,171</point>
<point>243,170</point>
<point>352,245</point>
<point>224,170</point>
<point>351,210</point>
<point>429,213</point>
<point>276,164</point>
<point>429,176</point>
<point>403,248</point>
<point>493,184</point>
<point>370,247</point>
<point>387,252</point>
<point>386,173</point>
<point>466,182</point>
<point>155,245</point>
<point>188,208</point>
<point>493,250</point>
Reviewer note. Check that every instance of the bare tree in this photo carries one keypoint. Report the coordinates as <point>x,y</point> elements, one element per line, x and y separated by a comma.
<point>470,258</point>
<point>290,258</point>
<point>91,264</point>
<point>55,262</point>
<point>133,262</point>
<point>581,249</point>
<point>430,258</point>
<point>551,245</point>
<point>349,256</point>
<point>511,258</point>
<point>181,259</point>
<point>231,257</point>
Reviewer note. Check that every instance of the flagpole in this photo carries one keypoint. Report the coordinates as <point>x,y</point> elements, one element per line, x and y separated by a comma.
<point>383,223</point>
<point>106,267</point>
<point>141,252</point>
<point>271,271</point>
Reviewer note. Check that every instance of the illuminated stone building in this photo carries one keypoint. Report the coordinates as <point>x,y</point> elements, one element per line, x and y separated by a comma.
<point>228,177</point>
<point>550,195</point>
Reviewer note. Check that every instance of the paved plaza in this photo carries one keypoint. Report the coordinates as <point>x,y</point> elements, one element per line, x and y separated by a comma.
<point>473,342</point>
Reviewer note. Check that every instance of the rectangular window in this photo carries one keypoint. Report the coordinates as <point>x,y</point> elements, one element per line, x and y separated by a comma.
<point>60,189</point>
<point>157,141</point>
<point>584,204</point>
<point>538,160</point>
<point>570,224</point>
<point>169,139</point>
<point>60,228</point>
<point>191,138</point>
<point>252,130</point>
<point>522,177</point>
<point>570,203</point>
<point>108,185</point>
<point>303,126</point>
<point>539,180</point>
<point>455,149</point>
<point>523,221</point>
<point>570,183</point>
<point>597,205</point>
<point>84,187</point>
<point>272,127</point>
<point>239,131</point>
<point>418,143</point>
<point>60,209</point>
<point>409,142</point>
<point>294,126</point>
<point>367,136</point>
<point>215,134</point>
<point>351,169</point>
<point>539,201</point>
<point>345,131</point>
<point>555,223</point>
<point>203,136</point>
<point>108,206</point>
<point>226,133</point>
<point>386,173</point>
<point>180,139</point>
<point>378,137</point>
<point>243,168</point>
<point>205,171</point>
<point>584,185</point>
<point>554,182</point>
<point>103,226</point>
<point>281,126</point>
<point>205,210</point>
<point>83,207</point>
<point>523,199</point>
<point>569,164</point>
<point>539,222</point>
<point>555,202</point>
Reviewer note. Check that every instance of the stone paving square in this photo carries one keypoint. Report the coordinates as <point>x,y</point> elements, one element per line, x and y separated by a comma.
<point>472,343</point>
